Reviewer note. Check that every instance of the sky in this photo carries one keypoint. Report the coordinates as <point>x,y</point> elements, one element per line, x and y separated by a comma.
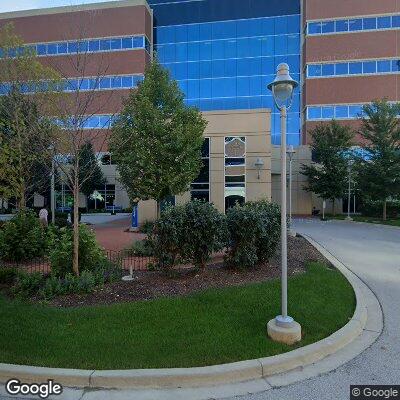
<point>16,5</point>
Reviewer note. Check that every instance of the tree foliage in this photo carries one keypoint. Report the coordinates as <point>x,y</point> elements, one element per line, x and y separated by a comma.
<point>156,141</point>
<point>90,174</point>
<point>25,136</point>
<point>330,146</point>
<point>379,170</point>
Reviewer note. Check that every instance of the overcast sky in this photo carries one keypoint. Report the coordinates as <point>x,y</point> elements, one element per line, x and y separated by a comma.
<point>14,5</point>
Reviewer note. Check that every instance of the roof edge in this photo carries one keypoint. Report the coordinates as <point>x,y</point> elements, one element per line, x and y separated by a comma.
<point>74,8</point>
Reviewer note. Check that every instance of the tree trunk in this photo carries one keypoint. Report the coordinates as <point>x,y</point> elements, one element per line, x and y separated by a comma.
<point>333,207</point>
<point>384,210</point>
<point>75,263</point>
<point>158,209</point>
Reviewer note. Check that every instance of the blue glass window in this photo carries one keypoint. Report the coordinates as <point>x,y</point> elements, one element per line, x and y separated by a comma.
<point>314,28</point>
<point>314,112</point>
<point>126,43</point>
<point>369,67</point>
<point>205,51</point>
<point>205,69</point>
<point>384,66</point>
<point>355,68</point>
<point>115,44</point>
<point>328,112</point>
<point>62,48</point>
<point>341,112</point>
<point>72,47</point>
<point>355,24</point>
<point>105,44</point>
<point>355,111</point>
<point>328,69</point>
<point>268,26</point>
<point>52,48</point>
<point>384,22</point>
<point>181,34</point>
<point>369,23</point>
<point>395,65</point>
<point>342,69</point>
<point>41,49</point>
<point>193,51</point>
<point>342,26</point>
<point>314,70</point>
<point>396,21</point>
<point>328,27</point>
<point>138,42</point>
<point>181,53</point>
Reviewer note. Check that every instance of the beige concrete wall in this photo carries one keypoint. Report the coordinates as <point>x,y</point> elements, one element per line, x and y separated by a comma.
<point>255,126</point>
<point>302,201</point>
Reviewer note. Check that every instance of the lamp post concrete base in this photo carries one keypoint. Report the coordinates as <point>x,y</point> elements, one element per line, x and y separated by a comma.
<point>349,219</point>
<point>288,333</point>
<point>128,278</point>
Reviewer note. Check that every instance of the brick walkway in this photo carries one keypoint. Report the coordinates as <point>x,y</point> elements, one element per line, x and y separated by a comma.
<point>112,235</point>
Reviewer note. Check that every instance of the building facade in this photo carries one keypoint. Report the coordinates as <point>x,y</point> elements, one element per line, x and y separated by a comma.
<point>223,53</point>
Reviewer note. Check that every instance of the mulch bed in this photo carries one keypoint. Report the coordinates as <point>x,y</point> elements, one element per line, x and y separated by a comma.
<point>153,284</point>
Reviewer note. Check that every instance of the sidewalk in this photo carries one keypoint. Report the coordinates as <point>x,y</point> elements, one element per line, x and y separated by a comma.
<point>114,235</point>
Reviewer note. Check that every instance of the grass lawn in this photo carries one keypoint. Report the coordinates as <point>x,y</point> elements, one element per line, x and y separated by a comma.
<point>371,220</point>
<point>211,327</point>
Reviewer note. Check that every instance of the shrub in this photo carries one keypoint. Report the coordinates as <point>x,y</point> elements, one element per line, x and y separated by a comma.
<point>147,227</point>
<point>374,208</point>
<point>22,238</point>
<point>7,275</point>
<point>141,248</point>
<point>188,233</point>
<point>28,284</point>
<point>91,255</point>
<point>204,232</point>
<point>254,232</point>
<point>167,236</point>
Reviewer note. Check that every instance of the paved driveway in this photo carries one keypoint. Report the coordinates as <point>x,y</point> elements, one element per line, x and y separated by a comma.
<point>373,253</point>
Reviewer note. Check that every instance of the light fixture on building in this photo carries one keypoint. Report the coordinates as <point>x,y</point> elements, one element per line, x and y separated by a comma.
<point>259,164</point>
<point>283,328</point>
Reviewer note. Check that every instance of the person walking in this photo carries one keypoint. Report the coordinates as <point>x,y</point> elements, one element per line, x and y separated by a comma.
<point>43,215</point>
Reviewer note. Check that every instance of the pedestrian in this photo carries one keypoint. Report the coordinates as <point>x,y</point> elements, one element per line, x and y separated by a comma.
<point>43,215</point>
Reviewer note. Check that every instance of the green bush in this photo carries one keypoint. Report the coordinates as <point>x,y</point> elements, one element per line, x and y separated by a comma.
<point>147,227</point>
<point>254,233</point>
<point>22,238</point>
<point>7,275</point>
<point>27,284</point>
<point>91,255</point>
<point>141,248</point>
<point>374,208</point>
<point>167,237</point>
<point>188,233</point>
<point>204,232</point>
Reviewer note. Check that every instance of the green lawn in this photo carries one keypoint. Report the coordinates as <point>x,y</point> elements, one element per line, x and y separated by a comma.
<point>371,220</point>
<point>211,327</point>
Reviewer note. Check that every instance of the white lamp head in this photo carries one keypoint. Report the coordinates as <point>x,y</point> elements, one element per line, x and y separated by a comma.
<point>283,86</point>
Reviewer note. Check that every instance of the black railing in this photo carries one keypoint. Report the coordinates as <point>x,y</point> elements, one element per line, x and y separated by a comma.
<point>122,259</point>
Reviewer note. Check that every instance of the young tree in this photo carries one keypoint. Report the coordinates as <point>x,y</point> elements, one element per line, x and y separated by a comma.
<point>90,172</point>
<point>328,177</point>
<point>156,141</point>
<point>379,171</point>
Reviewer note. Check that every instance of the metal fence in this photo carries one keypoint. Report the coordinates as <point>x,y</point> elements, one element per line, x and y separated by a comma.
<point>122,259</point>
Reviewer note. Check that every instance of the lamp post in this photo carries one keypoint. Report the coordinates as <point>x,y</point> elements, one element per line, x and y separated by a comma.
<point>283,328</point>
<point>290,151</point>
<point>349,165</point>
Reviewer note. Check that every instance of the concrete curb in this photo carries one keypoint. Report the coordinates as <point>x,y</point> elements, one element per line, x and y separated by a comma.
<point>363,223</point>
<point>311,360</point>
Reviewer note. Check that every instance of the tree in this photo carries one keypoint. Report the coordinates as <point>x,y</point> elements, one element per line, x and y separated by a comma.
<point>327,177</point>
<point>90,172</point>
<point>25,132</point>
<point>156,141</point>
<point>25,136</point>
<point>379,170</point>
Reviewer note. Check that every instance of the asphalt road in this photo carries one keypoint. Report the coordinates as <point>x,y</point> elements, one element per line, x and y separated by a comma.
<point>373,253</point>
